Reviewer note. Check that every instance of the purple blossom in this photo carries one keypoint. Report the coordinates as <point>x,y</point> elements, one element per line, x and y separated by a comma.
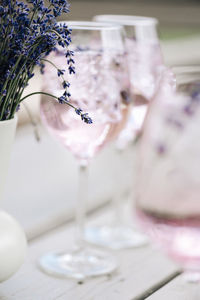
<point>78,111</point>
<point>62,99</point>
<point>65,84</point>
<point>71,70</point>
<point>86,118</point>
<point>28,33</point>
<point>160,149</point>
<point>60,72</point>
<point>188,110</point>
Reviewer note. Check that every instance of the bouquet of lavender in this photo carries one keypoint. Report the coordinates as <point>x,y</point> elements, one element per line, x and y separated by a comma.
<point>28,33</point>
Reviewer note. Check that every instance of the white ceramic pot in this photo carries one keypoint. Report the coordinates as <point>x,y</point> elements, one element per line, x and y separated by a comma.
<point>7,134</point>
<point>13,243</point>
<point>13,246</point>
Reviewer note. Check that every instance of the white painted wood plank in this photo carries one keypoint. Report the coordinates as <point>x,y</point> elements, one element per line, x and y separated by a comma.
<point>139,270</point>
<point>177,289</point>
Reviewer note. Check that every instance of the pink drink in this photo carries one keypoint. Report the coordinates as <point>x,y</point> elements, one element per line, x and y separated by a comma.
<point>144,61</point>
<point>82,139</point>
<point>120,72</point>
<point>179,237</point>
<point>95,89</point>
<point>168,187</point>
<point>116,129</point>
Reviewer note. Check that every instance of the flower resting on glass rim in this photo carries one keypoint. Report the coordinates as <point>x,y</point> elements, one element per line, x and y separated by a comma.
<point>28,33</point>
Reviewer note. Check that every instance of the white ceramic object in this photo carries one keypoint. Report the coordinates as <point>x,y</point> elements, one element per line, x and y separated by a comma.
<point>13,246</point>
<point>13,243</point>
<point>7,134</point>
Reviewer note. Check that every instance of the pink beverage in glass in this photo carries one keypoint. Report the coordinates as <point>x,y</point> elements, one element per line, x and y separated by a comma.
<point>82,140</point>
<point>95,89</point>
<point>168,187</point>
<point>120,73</point>
<point>144,61</point>
<point>178,237</point>
<point>89,89</point>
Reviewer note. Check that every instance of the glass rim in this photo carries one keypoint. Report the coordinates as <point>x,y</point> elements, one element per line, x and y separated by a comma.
<point>91,25</point>
<point>128,20</point>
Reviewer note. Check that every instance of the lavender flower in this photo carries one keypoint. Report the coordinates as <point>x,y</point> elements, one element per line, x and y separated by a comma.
<point>28,33</point>
<point>60,72</point>
<point>161,149</point>
<point>84,116</point>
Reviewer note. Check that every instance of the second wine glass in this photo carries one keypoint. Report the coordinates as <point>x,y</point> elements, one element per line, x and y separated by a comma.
<point>144,60</point>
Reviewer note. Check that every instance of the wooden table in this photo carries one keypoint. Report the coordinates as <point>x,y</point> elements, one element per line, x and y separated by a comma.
<point>40,193</point>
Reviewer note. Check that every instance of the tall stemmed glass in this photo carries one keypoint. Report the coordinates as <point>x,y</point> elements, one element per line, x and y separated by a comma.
<point>94,88</point>
<point>144,61</point>
<point>167,202</point>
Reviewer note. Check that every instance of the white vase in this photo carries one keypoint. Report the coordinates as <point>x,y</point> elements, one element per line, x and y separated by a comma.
<point>7,134</point>
<point>13,243</point>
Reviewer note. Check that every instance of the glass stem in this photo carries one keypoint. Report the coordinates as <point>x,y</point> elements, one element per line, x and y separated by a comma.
<point>118,212</point>
<point>81,205</point>
<point>117,202</point>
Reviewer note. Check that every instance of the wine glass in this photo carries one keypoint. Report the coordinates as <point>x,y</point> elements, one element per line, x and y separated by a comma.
<point>168,187</point>
<point>144,60</point>
<point>94,88</point>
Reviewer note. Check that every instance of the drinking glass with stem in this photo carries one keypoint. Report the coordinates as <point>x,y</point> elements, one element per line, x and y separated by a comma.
<point>168,185</point>
<point>94,89</point>
<point>144,60</point>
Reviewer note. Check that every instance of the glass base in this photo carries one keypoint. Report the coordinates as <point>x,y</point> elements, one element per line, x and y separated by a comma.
<point>191,276</point>
<point>78,264</point>
<point>115,237</point>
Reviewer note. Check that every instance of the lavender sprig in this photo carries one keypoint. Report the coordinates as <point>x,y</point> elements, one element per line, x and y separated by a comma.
<point>84,116</point>
<point>28,33</point>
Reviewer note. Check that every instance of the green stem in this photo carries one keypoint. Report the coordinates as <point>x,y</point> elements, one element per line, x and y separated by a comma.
<point>47,94</point>
<point>12,85</point>
<point>5,86</point>
<point>15,102</point>
<point>60,37</point>
<point>51,63</point>
<point>12,82</point>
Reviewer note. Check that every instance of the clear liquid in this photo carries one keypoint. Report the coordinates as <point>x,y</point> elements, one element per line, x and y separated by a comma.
<point>178,237</point>
<point>97,88</point>
<point>83,140</point>
<point>116,129</point>
<point>99,80</point>
<point>144,61</point>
